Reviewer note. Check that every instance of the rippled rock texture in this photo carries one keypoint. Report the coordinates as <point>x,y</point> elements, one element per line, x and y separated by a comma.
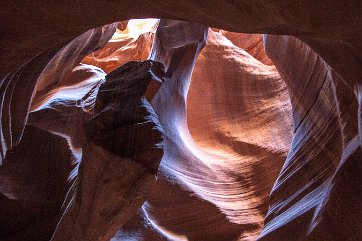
<point>238,143</point>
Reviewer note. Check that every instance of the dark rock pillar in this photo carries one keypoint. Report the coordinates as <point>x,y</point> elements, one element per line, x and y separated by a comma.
<point>120,157</point>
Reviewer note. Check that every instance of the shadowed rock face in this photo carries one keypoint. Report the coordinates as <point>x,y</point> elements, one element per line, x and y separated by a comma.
<point>123,116</point>
<point>118,164</point>
<point>34,181</point>
<point>251,151</point>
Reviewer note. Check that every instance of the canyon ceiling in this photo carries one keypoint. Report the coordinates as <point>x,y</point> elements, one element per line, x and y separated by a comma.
<point>215,120</point>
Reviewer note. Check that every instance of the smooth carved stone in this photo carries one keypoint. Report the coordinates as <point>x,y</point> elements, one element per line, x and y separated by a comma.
<point>126,124</point>
<point>108,192</point>
<point>317,195</point>
<point>24,89</point>
<point>242,105</point>
<point>121,154</point>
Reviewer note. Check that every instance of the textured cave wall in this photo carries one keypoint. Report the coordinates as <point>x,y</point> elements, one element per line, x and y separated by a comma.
<point>239,116</point>
<point>34,181</point>
<point>316,196</point>
<point>330,28</point>
<point>317,189</point>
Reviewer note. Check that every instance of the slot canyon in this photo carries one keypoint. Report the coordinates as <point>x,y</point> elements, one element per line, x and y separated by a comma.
<point>181,120</point>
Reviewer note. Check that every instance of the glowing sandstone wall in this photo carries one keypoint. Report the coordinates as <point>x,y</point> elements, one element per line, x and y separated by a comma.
<point>132,41</point>
<point>316,196</point>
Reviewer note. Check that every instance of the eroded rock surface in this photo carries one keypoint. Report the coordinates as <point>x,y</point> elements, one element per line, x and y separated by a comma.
<point>324,149</point>
<point>118,166</point>
<point>200,194</point>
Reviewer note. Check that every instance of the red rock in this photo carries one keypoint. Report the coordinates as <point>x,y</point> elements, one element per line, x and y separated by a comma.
<point>214,186</point>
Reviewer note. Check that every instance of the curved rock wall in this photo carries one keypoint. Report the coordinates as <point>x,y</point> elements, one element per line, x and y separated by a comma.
<point>325,145</point>
<point>333,33</point>
<point>317,194</point>
<point>240,118</point>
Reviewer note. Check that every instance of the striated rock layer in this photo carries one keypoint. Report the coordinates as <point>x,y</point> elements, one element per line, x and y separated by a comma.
<point>323,163</point>
<point>215,175</point>
<point>236,125</point>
